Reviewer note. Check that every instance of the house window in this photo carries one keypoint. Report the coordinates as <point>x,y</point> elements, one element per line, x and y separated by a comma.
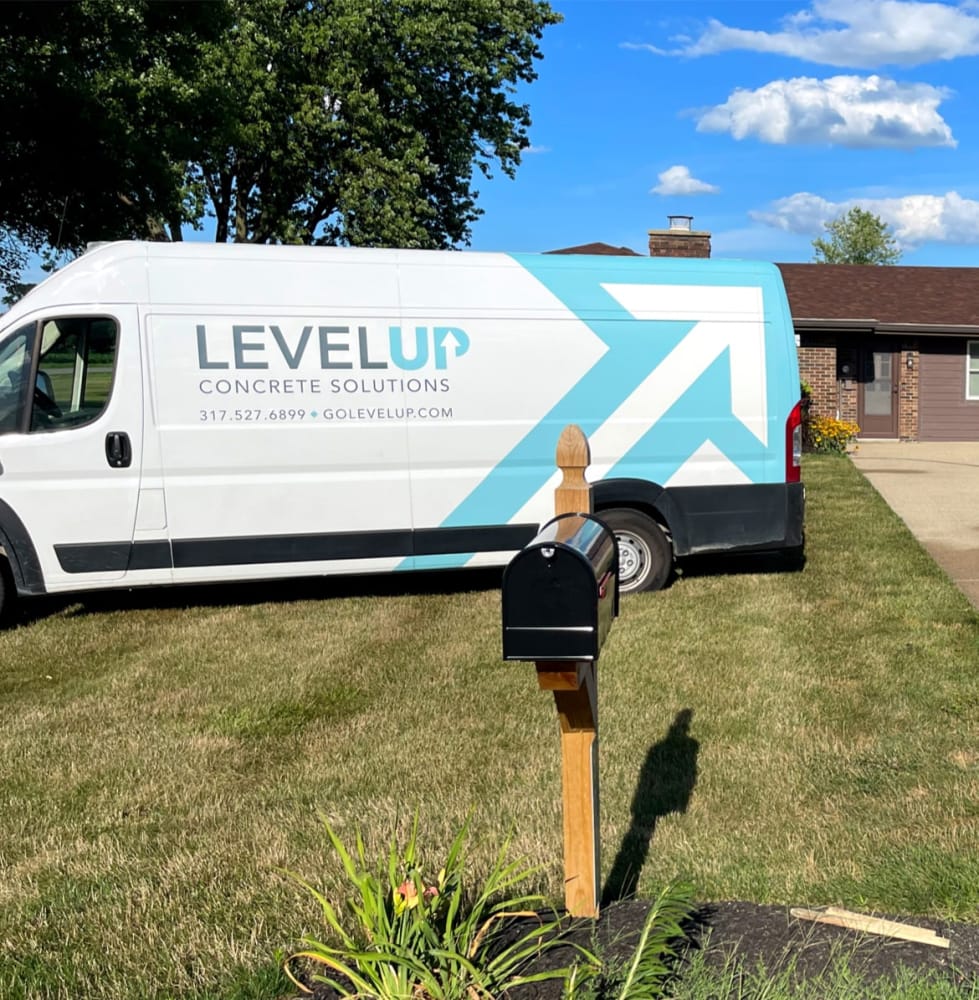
<point>972,370</point>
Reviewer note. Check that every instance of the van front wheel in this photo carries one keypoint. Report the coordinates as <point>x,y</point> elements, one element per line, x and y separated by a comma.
<point>645,553</point>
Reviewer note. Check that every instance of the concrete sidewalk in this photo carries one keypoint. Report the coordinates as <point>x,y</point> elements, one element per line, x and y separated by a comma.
<point>934,488</point>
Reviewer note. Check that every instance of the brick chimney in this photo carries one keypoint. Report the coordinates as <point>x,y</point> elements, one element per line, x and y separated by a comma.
<point>680,240</point>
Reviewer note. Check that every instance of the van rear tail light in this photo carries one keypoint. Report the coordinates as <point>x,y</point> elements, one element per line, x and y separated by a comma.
<point>793,445</point>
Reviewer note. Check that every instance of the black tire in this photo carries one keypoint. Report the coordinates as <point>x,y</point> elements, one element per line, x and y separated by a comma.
<point>645,553</point>
<point>8,593</point>
<point>794,559</point>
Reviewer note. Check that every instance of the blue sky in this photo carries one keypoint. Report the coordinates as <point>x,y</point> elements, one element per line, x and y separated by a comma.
<point>761,119</point>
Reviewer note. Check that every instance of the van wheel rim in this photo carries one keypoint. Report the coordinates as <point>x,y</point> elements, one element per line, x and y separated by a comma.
<point>633,559</point>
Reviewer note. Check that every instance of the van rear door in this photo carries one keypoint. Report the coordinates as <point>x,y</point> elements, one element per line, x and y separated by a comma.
<point>71,428</point>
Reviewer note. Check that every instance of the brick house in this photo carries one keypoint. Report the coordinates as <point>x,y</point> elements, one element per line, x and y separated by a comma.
<point>893,349</point>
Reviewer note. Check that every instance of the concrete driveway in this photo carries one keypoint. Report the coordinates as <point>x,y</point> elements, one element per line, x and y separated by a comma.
<point>934,488</point>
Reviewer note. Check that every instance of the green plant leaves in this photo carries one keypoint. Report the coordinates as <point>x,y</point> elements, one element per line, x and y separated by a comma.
<point>413,935</point>
<point>414,931</point>
<point>649,966</point>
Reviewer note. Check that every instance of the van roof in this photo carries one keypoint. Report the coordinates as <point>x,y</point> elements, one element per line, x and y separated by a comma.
<point>132,271</point>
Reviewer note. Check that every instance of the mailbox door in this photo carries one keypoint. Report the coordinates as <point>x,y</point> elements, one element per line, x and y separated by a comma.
<point>550,606</point>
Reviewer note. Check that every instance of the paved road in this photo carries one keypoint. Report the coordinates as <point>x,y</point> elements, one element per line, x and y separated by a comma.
<point>934,488</point>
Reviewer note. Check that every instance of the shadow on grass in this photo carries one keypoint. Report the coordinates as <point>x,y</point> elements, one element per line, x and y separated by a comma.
<point>286,591</point>
<point>742,563</point>
<point>251,593</point>
<point>666,782</point>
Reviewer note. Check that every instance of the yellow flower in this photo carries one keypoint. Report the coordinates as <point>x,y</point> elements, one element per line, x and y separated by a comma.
<point>406,895</point>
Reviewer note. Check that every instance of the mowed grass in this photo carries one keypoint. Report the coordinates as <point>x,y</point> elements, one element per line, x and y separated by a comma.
<point>787,737</point>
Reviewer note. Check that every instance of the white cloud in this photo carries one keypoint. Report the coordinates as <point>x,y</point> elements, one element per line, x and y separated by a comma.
<point>799,213</point>
<point>852,33</point>
<point>677,180</point>
<point>854,111</point>
<point>532,149</point>
<point>914,219</point>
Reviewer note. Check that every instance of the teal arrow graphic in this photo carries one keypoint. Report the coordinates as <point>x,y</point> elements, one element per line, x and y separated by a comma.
<point>634,348</point>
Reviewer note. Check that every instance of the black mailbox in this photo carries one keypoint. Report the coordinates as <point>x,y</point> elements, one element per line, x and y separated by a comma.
<point>560,592</point>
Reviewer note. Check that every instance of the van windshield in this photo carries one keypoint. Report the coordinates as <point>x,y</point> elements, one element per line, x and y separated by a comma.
<point>15,370</point>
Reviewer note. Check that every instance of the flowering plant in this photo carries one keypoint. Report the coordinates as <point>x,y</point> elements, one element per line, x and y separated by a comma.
<point>407,897</point>
<point>406,935</point>
<point>831,435</point>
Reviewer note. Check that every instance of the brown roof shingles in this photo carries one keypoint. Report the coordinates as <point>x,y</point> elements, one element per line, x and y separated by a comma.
<point>599,249</point>
<point>875,296</point>
<point>888,295</point>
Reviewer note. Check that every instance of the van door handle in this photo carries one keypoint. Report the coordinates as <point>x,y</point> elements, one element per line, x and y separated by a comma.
<point>118,450</point>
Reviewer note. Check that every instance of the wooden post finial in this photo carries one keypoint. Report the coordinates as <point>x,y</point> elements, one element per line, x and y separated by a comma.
<point>573,495</point>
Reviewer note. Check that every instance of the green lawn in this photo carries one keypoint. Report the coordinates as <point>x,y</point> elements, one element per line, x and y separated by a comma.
<point>804,738</point>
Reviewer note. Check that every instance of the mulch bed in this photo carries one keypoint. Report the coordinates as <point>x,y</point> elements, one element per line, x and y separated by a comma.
<point>770,935</point>
<point>757,934</point>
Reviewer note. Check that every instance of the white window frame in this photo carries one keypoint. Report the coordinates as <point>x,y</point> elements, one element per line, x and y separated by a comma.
<point>971,365</point>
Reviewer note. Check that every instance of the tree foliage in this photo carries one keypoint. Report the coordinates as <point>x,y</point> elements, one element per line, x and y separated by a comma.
<point>100,113</point>
<point>857,237</point>
<point>366,117</point>
<point>303,121</point>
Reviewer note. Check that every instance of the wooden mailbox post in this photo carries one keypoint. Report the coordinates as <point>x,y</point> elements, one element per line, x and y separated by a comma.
<point>559,598</point>
<point>575,687</point>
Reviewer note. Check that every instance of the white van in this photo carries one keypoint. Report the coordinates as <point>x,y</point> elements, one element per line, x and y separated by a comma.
<point>192,413</point>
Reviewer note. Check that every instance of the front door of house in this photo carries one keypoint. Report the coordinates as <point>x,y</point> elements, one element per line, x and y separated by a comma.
<point>877,399</point>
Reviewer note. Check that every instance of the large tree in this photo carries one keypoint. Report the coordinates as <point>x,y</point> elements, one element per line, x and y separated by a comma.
<point>362,121</point>
<point>316,121</point>
<point>857,237</point>
<point>100,106</point>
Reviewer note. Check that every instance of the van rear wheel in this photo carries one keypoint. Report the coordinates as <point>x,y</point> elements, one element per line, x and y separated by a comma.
<point>645,553</point>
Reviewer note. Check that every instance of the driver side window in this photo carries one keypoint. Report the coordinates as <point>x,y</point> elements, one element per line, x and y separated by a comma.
<point>74,373</point>
<point>56,374</point>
